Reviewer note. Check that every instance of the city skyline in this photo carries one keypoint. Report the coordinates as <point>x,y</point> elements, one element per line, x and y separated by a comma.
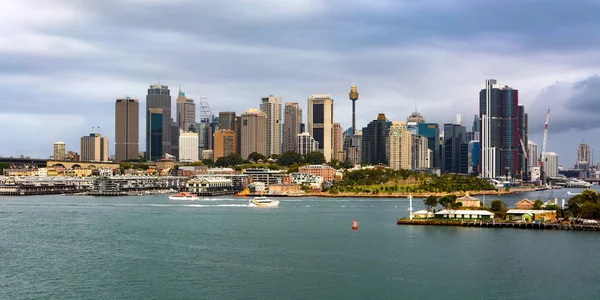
<point>396,58</point>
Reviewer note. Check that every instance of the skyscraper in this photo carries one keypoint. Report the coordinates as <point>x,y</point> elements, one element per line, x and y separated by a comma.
<point>60,150</point>
<point>94,147</point>
<point>227,120</point>
<point>523,120</point>
<point>374,141</point>
<point>188,147</point>
<point>432,132</point>
<point>154,134</point>
<point>254,132</point>
<point>338,142</point>
<point>159,96</point>
<point>291,125</point>
<point>271,105</point>
<point>532,153</point>
<point>186,112</point>
<point>499,112</point>
<point>419,152</point>
<point>583,156</point>
<point>224,143</point>
<point>455,150</point>
<point>550,164</point>
<point>127,118</point>
<point>352,145</point>
<point>320,122</point>
<point>399,146</point>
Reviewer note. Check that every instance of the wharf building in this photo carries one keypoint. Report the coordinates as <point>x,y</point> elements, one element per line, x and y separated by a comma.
<point>126,185</point>
<point>44,185</point>
<point>254,132</point>
<point>210,185</point>
<point>159,97</point>
<point>127,118</point>
<point>94,148</point>
<point>503,126</point>
<point>291,125</point>
<point>186,112</point>
<point>306,144</point>
<point>374,141</point>
<point>60,150</point>
<point>271,106</point>
<point>320,122</point>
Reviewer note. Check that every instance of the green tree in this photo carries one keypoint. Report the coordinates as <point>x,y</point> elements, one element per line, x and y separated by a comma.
<point>430,202</point>
<point>125,166</point>
<point>255,157</point>
<point>347,164</point>
<point>3,166</point>
<point>537,204</point>
<point>289,158</point>
<point>497,205</point>
<point>208,162</point>
<point>315,158</point>
<point>293,168</point>
<point>447,201</point>
<point>197,164</point>
<point>585,205</point>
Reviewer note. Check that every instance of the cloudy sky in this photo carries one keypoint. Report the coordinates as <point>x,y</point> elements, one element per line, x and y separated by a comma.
<point>63,62</point>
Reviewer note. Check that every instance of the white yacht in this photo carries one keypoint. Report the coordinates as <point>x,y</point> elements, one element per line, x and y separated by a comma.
<point>263,201</point>
<point>185,196</point>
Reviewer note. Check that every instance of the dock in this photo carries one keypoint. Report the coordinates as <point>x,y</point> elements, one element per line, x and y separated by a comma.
<point>491,224</point>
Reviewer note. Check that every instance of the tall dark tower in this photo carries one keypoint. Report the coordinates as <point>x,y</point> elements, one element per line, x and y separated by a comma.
<point>353,97</point>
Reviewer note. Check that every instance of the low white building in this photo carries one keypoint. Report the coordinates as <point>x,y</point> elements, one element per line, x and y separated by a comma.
<point>42,172</point>
<point>464,214</point>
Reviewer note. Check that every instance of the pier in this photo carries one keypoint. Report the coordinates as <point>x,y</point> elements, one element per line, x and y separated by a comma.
<point>515,225</point>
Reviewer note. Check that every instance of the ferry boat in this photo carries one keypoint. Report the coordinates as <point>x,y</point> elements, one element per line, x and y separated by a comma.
<point>185,196</point>
<point>263,201</point>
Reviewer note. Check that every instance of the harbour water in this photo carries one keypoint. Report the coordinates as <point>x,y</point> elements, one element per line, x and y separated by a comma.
<point>146,247</point>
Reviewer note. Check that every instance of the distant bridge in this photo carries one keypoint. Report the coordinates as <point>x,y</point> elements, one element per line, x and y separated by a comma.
<point>24,161</point>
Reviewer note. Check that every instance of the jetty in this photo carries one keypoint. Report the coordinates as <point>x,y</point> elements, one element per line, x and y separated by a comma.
<point>493,224</point>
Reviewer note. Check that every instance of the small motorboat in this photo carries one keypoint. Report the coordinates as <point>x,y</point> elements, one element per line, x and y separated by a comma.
<point>354,225</point>
<point>184,196</point>
<point>263,202</point>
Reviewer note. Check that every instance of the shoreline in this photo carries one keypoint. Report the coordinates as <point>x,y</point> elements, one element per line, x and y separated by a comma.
<point>492,224</point>
<point>419,194</point>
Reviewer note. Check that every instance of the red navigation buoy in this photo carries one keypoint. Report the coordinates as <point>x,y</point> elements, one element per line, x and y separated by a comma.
<point>355,225</point>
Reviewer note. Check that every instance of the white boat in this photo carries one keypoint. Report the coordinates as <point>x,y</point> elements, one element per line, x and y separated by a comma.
<point>263,201</point>
<point>185,196</point>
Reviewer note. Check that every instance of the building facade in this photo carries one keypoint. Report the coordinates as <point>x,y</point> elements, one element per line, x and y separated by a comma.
<point>159,96</point>
<point>455,151</point>
<point>432,132</point>
<point>127,118</point>
<point>419,152</point>
<point>550,164</point>
<point>188,147</point>
<point>325,171</point>
<point>227,120</point>
<point>291,125</point>
<point>584,159</point>
<point>399,146</point>
<point>94,147</point>
<point>224,143</point>
<point>254,132</point>
<point>186,112</point>
<point>320,122</point>
<point>352,146</point>
<point>306,144</point>
<point>500,135</point>
<point>374,141</point>
<point>60,150</point>
<point>271,106</point>
<point>338,142</point>
<point>154,134</point>
<point>532,152</point>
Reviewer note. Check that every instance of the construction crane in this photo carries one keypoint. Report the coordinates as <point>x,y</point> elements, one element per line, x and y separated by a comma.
<point>541,162</point>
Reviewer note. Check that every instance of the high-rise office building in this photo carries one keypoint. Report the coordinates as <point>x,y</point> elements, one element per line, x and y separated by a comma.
<point>320,122</point>
<point>271,105</point>
<point>352,145</point>
<point>584,159</point>
<point>532,153</point>
<point>175,139</point>
<point>186,112</point>
<point>499,112</point>
<point>159,96</point>
<point>432,132</point>
<point>254,132</point>
<point>188,147</point>
<point>127,118</point>
<point>523,120</point>
<point>474,156</point>
<point>455,150</point>
<point>60,150</point>
<point>338,142</point>
<point>419,152</point>
<point>224,143</point>
<point>291,125</point>
<point>154,134</point>
<point>94,147</point>
<point>306,144</point>
<point>550,164</point>
<point>227,120</point>
<point>374,141</point>
<point>237,125</point>
<point>399,146</point>
<point>416,118</point>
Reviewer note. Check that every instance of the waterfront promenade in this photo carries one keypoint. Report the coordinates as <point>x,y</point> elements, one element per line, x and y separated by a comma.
<point>493,224</point>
